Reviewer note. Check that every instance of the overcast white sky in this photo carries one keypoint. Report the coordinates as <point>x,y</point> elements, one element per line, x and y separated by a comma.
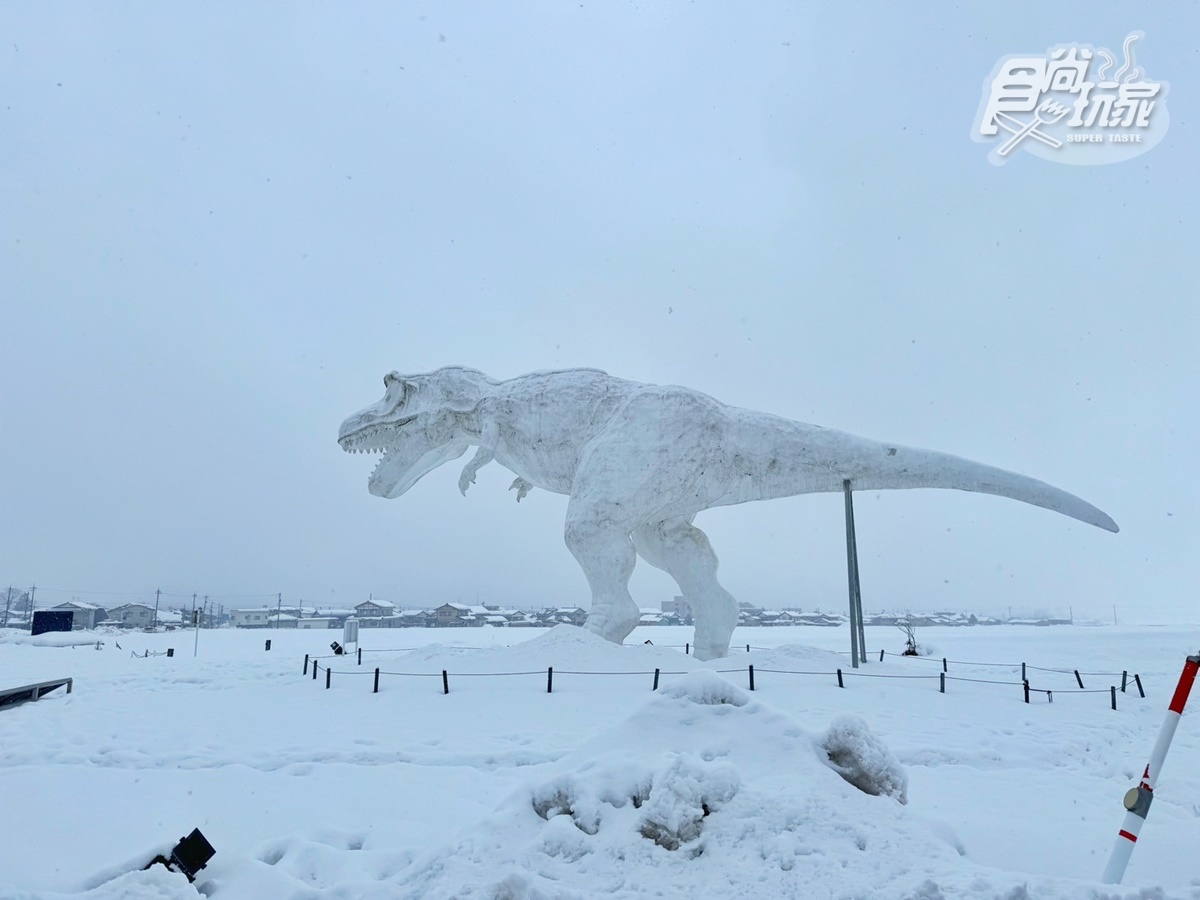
<point>222,224</point>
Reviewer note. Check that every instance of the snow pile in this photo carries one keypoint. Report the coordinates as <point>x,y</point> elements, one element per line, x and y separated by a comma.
<point>705,790</point>
<point>863,760</point>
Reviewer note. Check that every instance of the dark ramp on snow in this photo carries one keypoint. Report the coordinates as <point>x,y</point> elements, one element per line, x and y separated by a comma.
<point>13,696</point>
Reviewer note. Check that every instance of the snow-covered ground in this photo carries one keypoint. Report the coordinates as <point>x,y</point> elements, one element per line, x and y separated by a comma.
<point>601,788</point>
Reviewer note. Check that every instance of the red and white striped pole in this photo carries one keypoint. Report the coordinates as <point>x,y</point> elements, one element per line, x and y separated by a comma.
<point>1137,800</point>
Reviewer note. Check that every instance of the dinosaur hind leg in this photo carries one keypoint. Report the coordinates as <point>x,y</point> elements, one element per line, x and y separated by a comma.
<point>682,550</point>
<point>606,555</point>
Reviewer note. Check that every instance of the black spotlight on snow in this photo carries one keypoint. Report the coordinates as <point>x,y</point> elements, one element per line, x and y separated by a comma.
<point>336,648</point>
<point>189,856</point>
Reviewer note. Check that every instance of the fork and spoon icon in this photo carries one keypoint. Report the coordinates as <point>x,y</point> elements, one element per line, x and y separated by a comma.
<point>1047,114</point>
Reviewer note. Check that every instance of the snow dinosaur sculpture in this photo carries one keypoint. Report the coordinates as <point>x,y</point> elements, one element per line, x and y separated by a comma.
<point>639,461</point>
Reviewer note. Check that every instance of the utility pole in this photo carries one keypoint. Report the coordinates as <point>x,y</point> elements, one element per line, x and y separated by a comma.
<point>157,595</point>
<point>1114,614</point>
<point>278,609</point>
<point>7,603</point>
<point>33,590</point>
<point>857,642</point>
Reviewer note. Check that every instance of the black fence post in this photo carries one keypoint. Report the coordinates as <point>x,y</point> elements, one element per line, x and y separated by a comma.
<point>305,663</point>
<point>1026,690</point>
<point>655,688</point>
<point>328,675</point>
<point>1078,679</point>
<point>268,647</point>
<point>171,652</point>
<point>1113,692</point>
<point>360,656</point>
<point>747,648</point>
<point>944,669</point>
<point>881,654</point>
<point>445,682</point>
<point>1024,677</point>
<point>316,665</point>
<point>550,680</point>
<point>752,678</point>
<point>840,679</point>
<point>376,691</point>
<point>687,649</point>
<point>942,687</point>
<point>1137,679</point>
<point>1124,681</point>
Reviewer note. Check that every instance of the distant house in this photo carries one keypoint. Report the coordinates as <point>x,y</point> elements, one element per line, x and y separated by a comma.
<point>282,620</point>
<point>563,615</point>
<point>318,622</point>
<point>414,618</point>
<point>823,620</point>
<point>679,607</point>
<point>459,615</point>
<point>511,616</point>
<point>87,615</point>
<point>370,609</point>
<point>132,615</point>
<point>250,618</point>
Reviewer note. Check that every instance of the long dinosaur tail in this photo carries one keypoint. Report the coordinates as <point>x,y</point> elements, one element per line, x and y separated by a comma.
<point>827,458</point>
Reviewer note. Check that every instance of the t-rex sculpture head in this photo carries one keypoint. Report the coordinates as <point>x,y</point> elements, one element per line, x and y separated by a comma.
<point>416,426</point>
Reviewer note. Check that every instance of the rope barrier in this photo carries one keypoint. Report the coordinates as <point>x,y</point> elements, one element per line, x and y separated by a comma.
<point>942,676</point>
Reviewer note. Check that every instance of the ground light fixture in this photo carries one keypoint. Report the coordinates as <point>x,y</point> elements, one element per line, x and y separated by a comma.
<point>189,856</point>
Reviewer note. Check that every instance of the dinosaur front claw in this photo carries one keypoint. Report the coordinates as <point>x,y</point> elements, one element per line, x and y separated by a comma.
<point>522,487</point>
<point>465,480</point>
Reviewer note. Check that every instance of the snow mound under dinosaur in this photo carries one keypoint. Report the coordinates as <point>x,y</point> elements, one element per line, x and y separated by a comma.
<point>719,795</point>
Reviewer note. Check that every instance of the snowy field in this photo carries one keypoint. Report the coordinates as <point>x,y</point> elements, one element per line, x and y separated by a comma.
<point>601,788</point>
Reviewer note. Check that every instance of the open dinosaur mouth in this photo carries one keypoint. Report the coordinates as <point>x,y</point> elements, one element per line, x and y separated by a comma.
<point>375,439</point>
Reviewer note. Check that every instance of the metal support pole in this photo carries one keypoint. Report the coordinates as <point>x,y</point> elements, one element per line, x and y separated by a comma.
<point>852,573</point>
<point>1137,800</point>
<point>157,597</point>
